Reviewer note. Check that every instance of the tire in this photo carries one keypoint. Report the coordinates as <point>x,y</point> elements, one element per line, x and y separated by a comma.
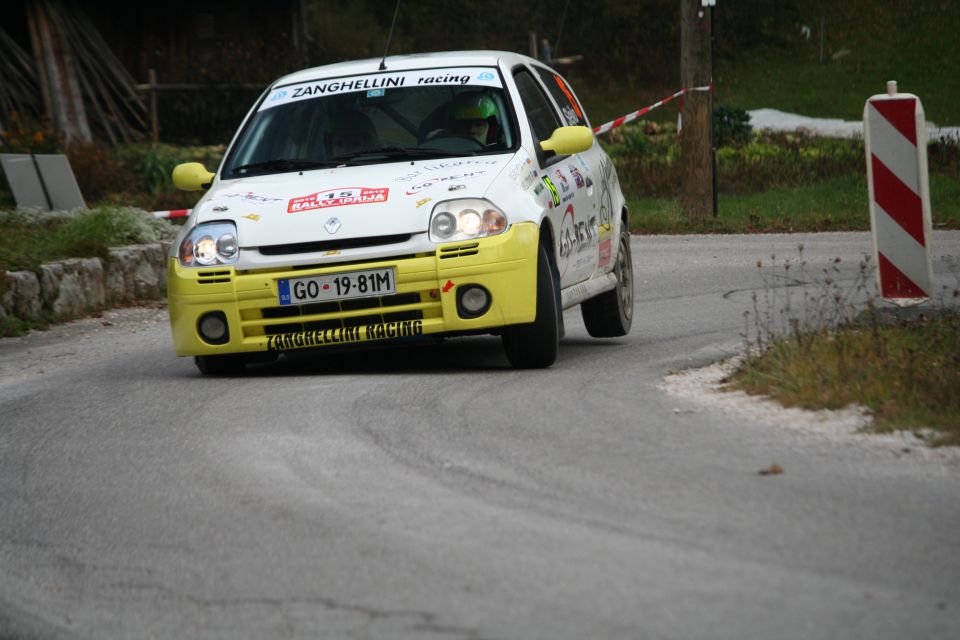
<point>610,314</point>
<point>227,365</point>
<point>535,345</point>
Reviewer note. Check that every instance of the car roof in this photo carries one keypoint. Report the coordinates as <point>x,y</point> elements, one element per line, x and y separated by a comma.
<point>405,63</point>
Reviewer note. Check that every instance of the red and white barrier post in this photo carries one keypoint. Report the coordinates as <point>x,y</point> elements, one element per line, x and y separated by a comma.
<point>896,147</point>
<point>173,213</point>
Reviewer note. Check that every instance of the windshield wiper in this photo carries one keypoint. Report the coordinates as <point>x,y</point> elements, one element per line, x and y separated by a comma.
<point>286,164</point>
<point>403,152</point>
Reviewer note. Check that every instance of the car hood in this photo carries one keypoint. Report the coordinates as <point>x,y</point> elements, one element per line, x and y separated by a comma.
<point>346,202</point>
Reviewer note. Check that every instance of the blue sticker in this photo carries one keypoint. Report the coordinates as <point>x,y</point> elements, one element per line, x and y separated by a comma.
<point>486,75</point>
<point>279,95</point>
<point>375,93</point>
<point>283,286</point>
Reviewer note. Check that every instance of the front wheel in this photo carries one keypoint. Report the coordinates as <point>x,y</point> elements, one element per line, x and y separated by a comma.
<point>610,314</point>
<point>535,345</point>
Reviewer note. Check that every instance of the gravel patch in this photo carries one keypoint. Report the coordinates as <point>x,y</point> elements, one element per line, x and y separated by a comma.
<point>848,426</point>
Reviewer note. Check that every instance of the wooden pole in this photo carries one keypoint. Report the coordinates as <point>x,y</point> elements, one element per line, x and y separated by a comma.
<point>154,118</point>
<point>696,64</point>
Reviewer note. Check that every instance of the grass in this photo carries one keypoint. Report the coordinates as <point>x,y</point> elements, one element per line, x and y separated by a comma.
<point>828,345</point>
<point>865,44</point>
<point>837,204</point>
<point>770,183</point>
<point>906,374</point>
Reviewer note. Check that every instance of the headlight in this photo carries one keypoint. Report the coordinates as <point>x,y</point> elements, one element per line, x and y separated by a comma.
<point>210,244</point>
<point>465,219</point>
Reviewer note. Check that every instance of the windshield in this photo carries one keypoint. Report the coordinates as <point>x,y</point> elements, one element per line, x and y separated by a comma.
<point>375,118</point>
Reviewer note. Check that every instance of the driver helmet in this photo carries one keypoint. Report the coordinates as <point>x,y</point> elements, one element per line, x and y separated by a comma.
<point>475,114</point>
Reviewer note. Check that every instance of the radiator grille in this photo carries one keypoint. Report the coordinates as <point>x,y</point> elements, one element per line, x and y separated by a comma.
<point>460,251</point>
<point>304,317</point>
<point>213,277</point>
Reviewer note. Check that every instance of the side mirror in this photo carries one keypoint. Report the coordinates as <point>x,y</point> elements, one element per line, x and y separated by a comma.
<point>191,176</point>
<point>567,140</point>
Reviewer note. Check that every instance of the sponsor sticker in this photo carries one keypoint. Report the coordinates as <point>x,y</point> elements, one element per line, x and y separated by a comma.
<point>379,82</point>
<point>605,251</point>
<point>523,161</point>
<point>420,186</point>
<point>251,216</point>
<point>554,195</point>
<point>423,201</point>
<point>575,235</point>
<point>577,176</point>
<point>338,198</point>
<point>426,184</point>
<point>344,335</point>
<point>250,196</point>
<point>439,166</point>
<point>528,180</point>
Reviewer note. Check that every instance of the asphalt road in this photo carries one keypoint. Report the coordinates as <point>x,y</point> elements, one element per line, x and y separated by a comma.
<point>433,492</point>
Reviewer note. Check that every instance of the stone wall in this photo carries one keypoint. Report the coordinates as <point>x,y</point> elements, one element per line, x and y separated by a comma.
<point>76,286</point>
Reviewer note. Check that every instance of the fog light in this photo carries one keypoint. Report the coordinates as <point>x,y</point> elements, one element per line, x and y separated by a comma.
<point>472,301</point>
<point>213,328</point>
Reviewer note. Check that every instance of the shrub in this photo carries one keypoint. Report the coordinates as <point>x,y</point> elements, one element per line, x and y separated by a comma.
<point>26,134</point>
<point>98,171</point>
<point>731,126</point>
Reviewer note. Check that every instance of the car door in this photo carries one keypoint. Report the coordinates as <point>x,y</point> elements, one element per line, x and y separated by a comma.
<point>573,209</point>
<point>596,165</point>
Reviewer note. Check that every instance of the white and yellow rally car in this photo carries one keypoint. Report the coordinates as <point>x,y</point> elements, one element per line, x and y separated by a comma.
<point>439,194</point>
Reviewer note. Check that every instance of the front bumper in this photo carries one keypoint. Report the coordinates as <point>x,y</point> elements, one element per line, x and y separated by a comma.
<point>425,301</point>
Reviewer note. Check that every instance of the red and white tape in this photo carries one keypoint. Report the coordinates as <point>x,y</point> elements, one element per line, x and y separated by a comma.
<point>622,120</point>
<point>173,213</point>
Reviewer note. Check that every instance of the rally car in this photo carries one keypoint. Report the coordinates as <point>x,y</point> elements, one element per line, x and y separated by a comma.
<point>389,200</point>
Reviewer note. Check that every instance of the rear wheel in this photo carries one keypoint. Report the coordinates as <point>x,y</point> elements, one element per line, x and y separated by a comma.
<point>227,365</point>
<point>610,314</point>
<point>534,345</point>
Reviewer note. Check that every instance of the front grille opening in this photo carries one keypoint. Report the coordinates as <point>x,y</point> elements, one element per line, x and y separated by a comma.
<point>332,245</point>
<point>213,277</point>
<point>460,251</point>
<point>382,304</point>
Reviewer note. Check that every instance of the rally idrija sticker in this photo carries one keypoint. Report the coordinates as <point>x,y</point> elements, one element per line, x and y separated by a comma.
<point>338,198</point>
<point>375,82</point>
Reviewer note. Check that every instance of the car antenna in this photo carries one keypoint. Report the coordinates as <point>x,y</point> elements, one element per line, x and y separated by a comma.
<point>383,62</point>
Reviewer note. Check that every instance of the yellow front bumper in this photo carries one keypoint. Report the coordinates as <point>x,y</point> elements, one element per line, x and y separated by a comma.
<point>425,301</point>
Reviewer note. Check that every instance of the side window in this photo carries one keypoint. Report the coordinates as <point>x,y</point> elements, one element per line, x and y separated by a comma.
<point>562,94</point>
<point>543,119</point>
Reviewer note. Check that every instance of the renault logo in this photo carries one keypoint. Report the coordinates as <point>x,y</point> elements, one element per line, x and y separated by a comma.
<point>332,225</point>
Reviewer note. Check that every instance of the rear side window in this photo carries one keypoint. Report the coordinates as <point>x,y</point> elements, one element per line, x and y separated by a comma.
<point>562,94</point>
<point>543,119</point>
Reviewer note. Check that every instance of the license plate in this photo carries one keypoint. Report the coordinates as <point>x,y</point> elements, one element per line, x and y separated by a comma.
<point>337,286</point>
